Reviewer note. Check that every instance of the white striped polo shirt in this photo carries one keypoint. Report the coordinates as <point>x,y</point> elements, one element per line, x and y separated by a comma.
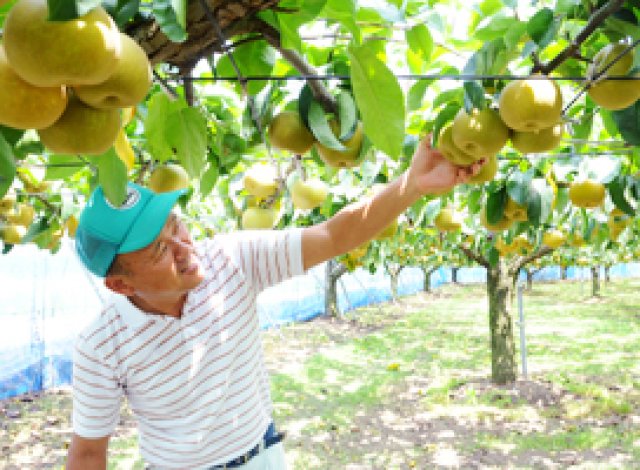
<point>197,385</point>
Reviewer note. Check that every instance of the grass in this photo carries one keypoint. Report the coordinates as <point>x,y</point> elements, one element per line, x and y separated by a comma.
<point>407,385</point>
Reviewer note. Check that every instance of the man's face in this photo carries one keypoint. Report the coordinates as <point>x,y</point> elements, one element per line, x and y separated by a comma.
<point>168,266</point>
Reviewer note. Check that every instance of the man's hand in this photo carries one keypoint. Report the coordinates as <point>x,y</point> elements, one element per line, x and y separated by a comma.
<point>431,173</point>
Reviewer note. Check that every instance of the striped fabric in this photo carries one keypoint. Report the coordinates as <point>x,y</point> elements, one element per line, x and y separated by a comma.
<point>196,384</point>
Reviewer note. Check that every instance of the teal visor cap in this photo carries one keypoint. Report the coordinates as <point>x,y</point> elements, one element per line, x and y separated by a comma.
<point>105,231</point>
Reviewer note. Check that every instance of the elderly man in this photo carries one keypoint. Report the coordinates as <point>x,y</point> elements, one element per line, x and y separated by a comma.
<point>180,338</point>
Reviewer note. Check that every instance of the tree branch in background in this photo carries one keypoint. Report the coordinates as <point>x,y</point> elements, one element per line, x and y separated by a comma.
<point>481,260</point>
<point>320,92</point>
<point>187,83</point>
<point>521,261</point>
<point>572,49</point>
<point>165,86</point>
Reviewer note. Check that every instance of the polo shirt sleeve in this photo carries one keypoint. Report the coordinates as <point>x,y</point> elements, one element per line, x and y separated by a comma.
<point>97,393</point>
<point>266,257</point>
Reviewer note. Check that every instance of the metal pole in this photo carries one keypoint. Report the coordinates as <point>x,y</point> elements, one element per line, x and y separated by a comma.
<point>523,340</point>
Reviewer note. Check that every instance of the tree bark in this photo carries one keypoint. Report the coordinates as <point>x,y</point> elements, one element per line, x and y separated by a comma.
<point>595,281</point>
<point>333,271</point>
<point>426,287</point>
<point>607,273</point>
<point>394,276</point>
<point>530,274</point>
<point>563,273</point>
<point>454,275</point>
<point>499,286</point>
<point>233,16</point>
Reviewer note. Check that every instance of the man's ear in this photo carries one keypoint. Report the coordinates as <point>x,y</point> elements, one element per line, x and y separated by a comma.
<point>118,283</point>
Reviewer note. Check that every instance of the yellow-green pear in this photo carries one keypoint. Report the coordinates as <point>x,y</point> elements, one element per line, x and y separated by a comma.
<point>446,221</point>
<point>487,172</point>
<point>13,234</point>
<point>480,134</point>
<point>450,151</point>
<point>554,238</point>
<point>7,203</point>
<point>308,194</point>
<point>261,180</point>
<point>587,193</point>
<point>168,177</point>
<point>126,86</point>
<point>342,159</point>
<point>53,53</point>
<point>288,132</point>
<point>614,94</point>
<point>258,218</point>
<point>515,212</point>
<point>25,106</point>
<point>22,215</point>
<point>542,140</point>
<point>82,130</point>
<point>530,104</point>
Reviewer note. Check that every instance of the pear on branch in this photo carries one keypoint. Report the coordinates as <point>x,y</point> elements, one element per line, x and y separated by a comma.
<point>531,104</point>
<point>53,53</point>
<point>25,106</point>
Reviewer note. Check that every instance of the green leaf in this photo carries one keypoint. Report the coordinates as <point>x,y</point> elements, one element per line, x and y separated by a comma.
<point>519,186</point>
<point>305,98</point>
<point>496,27</point>
<point>420,42</point>
<point>62,10</point>
<point>628,122</point>
<point>540,25</point>
<point>416,94</point>
<point>188,138</point>
<point>208,180</point>
<point>11,135</point>
<point>123,11</point>
<point>7,166</point>
<point>112,176</point>
<point>601,169</point>
<point>253,59</point>
<point>496,202</point>
<point>347,115</point>
<point>473,96</point>
<point>171,17</point>
<point>320,128</point>
<point>156,130</point>
<point>35,230</point>
<point>60,167</point>
<point>617,188</point>
<point>380,100</point>
<point>443,117</point>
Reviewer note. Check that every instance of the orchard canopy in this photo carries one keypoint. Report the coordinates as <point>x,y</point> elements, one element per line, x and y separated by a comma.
<point>280,113</point>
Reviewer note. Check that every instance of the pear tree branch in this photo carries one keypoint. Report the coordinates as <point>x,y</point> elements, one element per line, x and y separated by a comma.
<point>481,260</point>
<point>572,50</point>
<point>521,261</point>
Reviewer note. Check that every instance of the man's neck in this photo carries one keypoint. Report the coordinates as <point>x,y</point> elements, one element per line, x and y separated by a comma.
<point>160,306</point>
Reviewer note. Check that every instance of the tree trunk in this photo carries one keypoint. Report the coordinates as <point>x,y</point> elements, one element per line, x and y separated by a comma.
<point>499,286</point>
<point>454,275</point>
<point>595,281</point>
<point>427,278</point>
<point>333,272</point>
<point>530,274</point>
<point>394,276</point>
<point>607,273</point>
<point>563,273</point>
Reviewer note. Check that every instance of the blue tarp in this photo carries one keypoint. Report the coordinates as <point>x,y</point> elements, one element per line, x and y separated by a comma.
<point>47,300</point>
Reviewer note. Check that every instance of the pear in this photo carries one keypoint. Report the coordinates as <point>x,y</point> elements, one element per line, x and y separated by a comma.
<point>23,215</point>
<point>479,134</point>
<point>503,224</point>
<point>531,104</point>
<point>308,194</point>
<point>542,140</point>
<point>25,106</point>
<point>487,172</point>
<point>168,177</point>
<point>587,193</point>
<point>288,132</point>
<point>257,218</point>
<point>449,150</point>
<point>342,159</point>
<point>13,234</point>
<point>126,86</point>
<point>52,53</point>
<point>82,130</point>
<point>261,180</point>
<point>446,221</point>
<point>554,238</point>
<point>515,212</point>
<point>614,94</point>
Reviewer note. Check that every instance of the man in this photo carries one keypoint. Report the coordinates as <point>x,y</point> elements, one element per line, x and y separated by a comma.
<point>181,339</point>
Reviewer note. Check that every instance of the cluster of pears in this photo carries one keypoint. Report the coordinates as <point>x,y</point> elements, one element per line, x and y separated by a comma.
<point>528,114</point>
<point>15,218</point>
<point>69,80</point>
<point>287,131</point>
<point>261,182</point>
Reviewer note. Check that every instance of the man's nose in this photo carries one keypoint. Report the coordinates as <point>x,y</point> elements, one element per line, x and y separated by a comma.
<point>181,246</point>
